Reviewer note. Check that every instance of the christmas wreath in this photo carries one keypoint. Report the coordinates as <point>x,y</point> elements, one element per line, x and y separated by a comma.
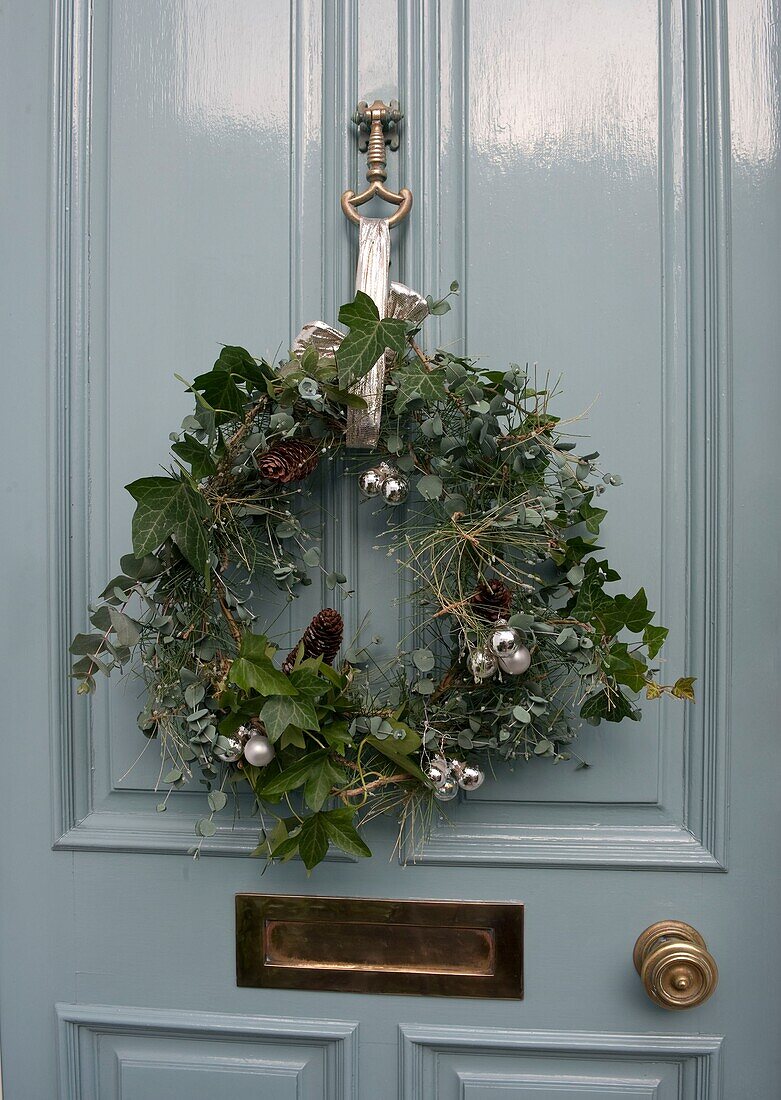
<point>488,506</point>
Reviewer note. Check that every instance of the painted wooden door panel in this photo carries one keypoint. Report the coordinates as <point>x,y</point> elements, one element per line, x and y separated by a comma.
<point>602,179</point>
<point>153,1055</point>
<point>478,1064</point>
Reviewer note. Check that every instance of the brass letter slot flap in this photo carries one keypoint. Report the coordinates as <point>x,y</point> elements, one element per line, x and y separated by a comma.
<point>362,945</point>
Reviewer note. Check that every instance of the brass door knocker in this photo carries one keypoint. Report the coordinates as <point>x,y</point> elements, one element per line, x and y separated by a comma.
<point>381,123</point>
<point>378,126</point>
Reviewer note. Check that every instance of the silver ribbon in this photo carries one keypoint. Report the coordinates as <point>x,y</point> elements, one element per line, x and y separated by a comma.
<point>324,339</point>
<point>392,300</point>
<point>372,277</point>
<point>405,304</point>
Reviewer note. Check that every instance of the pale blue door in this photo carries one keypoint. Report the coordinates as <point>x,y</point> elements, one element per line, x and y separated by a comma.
<point>602,178</point>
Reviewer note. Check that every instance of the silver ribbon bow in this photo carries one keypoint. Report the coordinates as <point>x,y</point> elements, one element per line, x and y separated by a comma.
<point>392,300</point>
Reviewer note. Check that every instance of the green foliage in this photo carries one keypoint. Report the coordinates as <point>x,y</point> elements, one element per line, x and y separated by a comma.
<point>499,497</point>
<point>253,669</point>
<point>311,838</point>
<point>168,507</point>
<point>280,712</point>
<point>367,340</point>
<point>197,455</point>
<point>417,384</point>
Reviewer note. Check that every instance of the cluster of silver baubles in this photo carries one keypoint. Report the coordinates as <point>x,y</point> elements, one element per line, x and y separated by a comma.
<point>385,481</point>
<point>503,651</point>
<point>449,776</point>
<point>248,743</point>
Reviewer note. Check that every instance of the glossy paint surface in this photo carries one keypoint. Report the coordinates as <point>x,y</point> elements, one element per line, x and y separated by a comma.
<point>603,180</point>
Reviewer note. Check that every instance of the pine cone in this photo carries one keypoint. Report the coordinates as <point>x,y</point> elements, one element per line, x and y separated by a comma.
<point>491,601</point>
<point>289,460</point>
<point>321,638</point>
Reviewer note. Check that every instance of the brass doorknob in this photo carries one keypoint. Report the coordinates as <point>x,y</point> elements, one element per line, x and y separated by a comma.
<point>675,965</point>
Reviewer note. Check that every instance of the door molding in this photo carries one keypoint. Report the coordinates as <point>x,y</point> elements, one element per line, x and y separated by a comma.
<point>89,811</point>
<point>82,1027</point>
<point>681,833</point>
<point>421,1047</point>
<point>688,833</point>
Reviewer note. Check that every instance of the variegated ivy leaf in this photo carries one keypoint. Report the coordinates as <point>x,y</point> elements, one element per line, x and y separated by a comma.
<point>168,507</point>
<point>367,340</point>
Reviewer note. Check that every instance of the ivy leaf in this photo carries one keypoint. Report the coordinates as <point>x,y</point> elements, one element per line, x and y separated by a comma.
<point>167,506</point>
<point>221,393</point>
<point>271,838</point>
<point>239,362</point>
<point>603,568</point>
<point>591,516</point>
<point>591,601</point>
<point>574,550</point>
<point>256,646</point>
<point>292,737</point>
<point>654,638</point>
<point>398,749</point>
<point>197,455</point>
<point>319,785</point>
<point>626,669</point>
<point>683,688</point>
<point>286,849</point>
<point>337,734</point>
<point>295,775</point>
<point>258,674</point>
<point>253,669</point>
<point>280,712</point>
<point>634,611</point>
<point>613,706</point>
<point>367,340</point>
<point>313,841</point>
<point>413,382</point>
<point>343,397</point>
<point>342,833</point>
<point>605,612</point>
<point>308,684</point>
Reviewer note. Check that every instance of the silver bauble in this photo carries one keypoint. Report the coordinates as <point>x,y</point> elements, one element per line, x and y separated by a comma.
<point>482,664</point>
<point>370,482</point>
<point>503,640</point>
<point>515,664</point>
<point>386,469</point>
<point>395,488</point>
<point>447,791</point>
<point>437,771</point>
<point>259,751</point>
<point>468,776</point>
<point>235,747</point>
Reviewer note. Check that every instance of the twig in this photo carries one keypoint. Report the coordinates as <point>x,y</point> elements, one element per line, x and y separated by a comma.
<point>383,781</point>
<point>216,481</point>
<point>233,626</point>
<point>419,354</point>
<point>444,684</point>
